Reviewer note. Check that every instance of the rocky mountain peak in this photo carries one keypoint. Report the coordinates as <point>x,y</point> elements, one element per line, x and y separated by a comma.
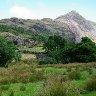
<point>73,15</point>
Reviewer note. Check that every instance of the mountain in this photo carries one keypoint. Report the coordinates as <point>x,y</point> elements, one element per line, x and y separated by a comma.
<point>79,26</point>
<point>71,26</point>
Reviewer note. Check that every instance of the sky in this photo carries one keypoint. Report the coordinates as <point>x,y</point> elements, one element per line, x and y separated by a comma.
<point>38,9</point>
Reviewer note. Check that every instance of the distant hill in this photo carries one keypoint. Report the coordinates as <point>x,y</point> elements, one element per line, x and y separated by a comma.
<point>71,26</point>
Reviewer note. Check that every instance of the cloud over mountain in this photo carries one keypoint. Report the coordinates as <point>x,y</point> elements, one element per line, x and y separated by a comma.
<point>21,12</point>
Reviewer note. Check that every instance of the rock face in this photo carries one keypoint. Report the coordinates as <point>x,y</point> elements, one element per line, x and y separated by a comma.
<point>79,26</point>
<point>71,26</point>
<point>21,42</point>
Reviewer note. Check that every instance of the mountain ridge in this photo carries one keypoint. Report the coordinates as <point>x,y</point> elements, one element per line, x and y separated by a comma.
<point>71,26</point>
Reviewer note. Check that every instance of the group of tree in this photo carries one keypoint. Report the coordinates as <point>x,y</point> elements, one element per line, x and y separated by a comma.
<point>60,50</point>
<point>7,52</point>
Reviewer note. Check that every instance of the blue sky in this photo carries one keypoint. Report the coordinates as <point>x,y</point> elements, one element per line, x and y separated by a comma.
<point>37,9</point>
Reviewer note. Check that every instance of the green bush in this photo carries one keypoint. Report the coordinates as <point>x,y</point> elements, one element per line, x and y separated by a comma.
<point>7,52</point>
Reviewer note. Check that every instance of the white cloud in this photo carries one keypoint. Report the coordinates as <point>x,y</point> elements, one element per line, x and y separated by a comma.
<point>21,12</point>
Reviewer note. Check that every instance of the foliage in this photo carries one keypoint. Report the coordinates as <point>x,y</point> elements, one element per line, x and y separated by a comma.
<point>63,51</point>
<point>54,43</point>
<point>85,51</point>
<point>7,52</point>
<point>54,47</point>
<point>12,29</point>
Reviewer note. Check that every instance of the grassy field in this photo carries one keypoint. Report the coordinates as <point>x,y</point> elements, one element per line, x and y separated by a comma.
<point>28,56</point>
<point>34,49</point>
<point>24,79</point>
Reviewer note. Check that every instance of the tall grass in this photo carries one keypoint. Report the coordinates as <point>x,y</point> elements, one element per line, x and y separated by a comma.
<point>19,73</point>
<point>91,84</point>
<point>54,87</point>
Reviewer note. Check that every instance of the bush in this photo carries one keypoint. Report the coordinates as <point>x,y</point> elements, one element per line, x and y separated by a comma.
<point>7,52</point>
<point>91,84</point>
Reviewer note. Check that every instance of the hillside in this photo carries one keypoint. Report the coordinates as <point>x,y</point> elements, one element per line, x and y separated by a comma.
<point>71,26</point>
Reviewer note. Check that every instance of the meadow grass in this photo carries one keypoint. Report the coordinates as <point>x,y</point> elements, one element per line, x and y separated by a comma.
<point>34,49</point>
<point>28,56</point>
<point>24,79</point>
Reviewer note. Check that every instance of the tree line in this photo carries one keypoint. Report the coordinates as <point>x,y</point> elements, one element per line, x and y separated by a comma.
<point>60,50</point>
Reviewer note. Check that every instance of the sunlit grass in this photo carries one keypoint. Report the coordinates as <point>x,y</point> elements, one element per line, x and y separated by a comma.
<point>34,49</point>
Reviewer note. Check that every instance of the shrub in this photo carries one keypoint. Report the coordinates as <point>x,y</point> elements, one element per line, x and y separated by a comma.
<point>7,52</point>
<point>91,84</point>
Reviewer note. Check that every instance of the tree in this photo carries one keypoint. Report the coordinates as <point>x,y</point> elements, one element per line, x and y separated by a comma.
<point>54,43</point>
<point>85,51</point>
<point>7,52</point>
<point>54,47</point>
<point>63,51</point>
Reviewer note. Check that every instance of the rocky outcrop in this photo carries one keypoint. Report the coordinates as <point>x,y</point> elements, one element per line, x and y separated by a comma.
<point>21,42</point>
